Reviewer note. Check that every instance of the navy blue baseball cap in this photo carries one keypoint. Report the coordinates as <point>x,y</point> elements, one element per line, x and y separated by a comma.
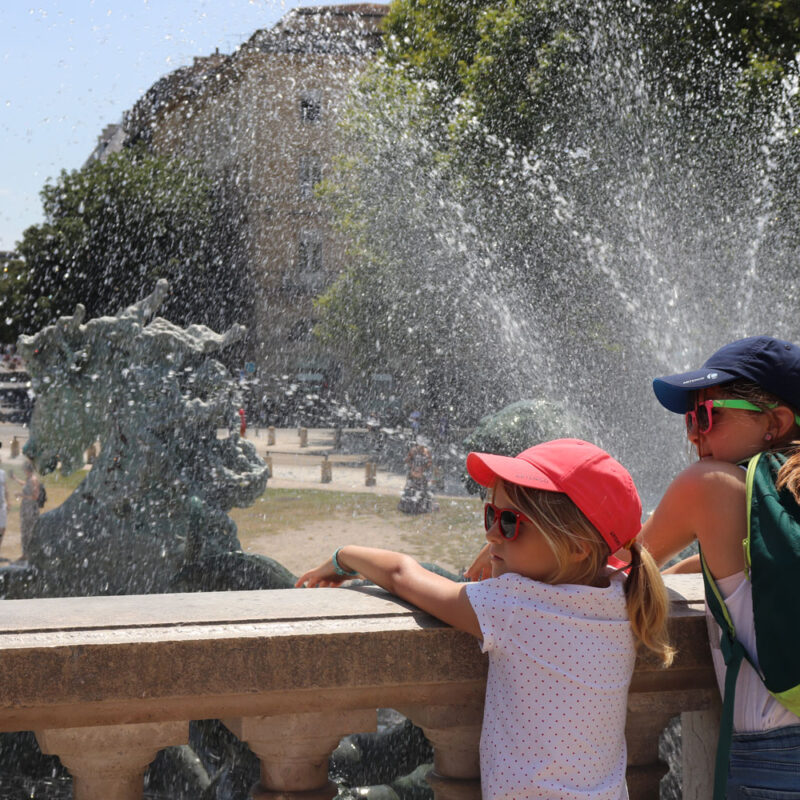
<point>771,363</point>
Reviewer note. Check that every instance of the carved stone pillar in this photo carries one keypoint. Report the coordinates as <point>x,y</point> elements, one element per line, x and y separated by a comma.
<point>294,749</point>
<point>109,760</point>
<point>455,734</point>
<point>647,717</point>
<point>699,732</point>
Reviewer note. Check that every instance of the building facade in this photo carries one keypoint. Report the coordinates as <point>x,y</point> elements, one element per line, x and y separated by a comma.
<point>262,122</point>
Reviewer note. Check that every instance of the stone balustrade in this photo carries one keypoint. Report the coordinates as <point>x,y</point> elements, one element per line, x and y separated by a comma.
<point>105,682</point>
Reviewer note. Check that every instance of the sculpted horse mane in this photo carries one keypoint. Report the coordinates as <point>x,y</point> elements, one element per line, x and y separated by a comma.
<point>154,503</point>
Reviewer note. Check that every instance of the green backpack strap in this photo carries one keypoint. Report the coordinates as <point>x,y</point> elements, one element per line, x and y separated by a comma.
<point>733,661</point>
<point>732,653</point>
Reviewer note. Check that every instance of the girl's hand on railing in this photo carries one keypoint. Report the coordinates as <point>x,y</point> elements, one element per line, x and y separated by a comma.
<point>323,576</point>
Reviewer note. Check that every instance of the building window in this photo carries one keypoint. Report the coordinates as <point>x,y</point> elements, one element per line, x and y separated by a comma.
<point>309,252</point>
<point>308,276</point>
<point>311,106</point>
<point>310,175</point>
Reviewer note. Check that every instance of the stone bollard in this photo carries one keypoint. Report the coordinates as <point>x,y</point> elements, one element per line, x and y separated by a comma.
<point>271,435</point>
<point>370,473</point>
<point>268,462</point>
<point>91,454</point>
<point>325,470</point>
<point>14,447</point>
<point>303,434</point>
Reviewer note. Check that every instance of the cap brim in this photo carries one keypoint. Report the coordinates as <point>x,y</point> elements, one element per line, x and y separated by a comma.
<point>674,392</point>
<point>485,468</point>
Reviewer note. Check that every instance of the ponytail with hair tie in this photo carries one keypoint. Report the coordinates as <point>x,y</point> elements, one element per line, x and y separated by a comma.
<point>648,603</point>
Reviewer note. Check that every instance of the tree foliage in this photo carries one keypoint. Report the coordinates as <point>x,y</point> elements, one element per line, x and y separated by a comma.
<point>113,228</point>
<point>465,46</point>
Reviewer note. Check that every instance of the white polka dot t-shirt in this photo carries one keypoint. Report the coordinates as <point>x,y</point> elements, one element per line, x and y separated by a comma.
<point>560,663</point>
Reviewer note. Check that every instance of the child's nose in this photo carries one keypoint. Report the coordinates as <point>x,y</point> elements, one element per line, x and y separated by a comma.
<point>493,534</point>
<point>693,435</point>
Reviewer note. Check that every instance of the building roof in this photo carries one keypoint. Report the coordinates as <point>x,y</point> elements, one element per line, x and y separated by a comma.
<point>351,29</point>
<point>343,30</point>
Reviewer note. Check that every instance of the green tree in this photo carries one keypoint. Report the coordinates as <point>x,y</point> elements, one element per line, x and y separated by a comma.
<point>113,228</point>
<point>13,284</point>
<point>466,46</point>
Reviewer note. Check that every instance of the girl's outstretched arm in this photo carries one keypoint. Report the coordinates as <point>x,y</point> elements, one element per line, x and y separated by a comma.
<point>686,566</point>
<point>403,576</point>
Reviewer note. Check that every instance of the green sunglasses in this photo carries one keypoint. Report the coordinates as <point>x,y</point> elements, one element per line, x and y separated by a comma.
<point>701,419</point>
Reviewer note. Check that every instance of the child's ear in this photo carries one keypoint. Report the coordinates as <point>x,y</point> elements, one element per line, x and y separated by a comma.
<point>781,421</point>
<point>580,554</point>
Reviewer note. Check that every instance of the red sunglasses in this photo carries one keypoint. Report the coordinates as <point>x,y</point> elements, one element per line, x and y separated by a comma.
<point>509,520</point>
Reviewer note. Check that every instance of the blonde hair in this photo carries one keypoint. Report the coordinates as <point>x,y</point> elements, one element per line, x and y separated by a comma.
<point>789,473</point>
<point>567,531</point>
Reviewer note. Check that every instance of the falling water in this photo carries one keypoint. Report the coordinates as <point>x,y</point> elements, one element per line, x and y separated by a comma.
<point>630,237</point>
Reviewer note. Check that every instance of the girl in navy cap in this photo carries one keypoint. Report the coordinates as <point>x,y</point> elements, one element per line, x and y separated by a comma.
<point>560,627</point>
<point>744,400</point>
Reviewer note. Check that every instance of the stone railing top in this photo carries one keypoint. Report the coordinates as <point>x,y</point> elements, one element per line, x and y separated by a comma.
<point>685,592</point>
<point>71,662</point>
<point>157,613</point>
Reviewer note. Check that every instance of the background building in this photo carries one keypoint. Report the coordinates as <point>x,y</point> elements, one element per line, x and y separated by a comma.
<point>262,122</point>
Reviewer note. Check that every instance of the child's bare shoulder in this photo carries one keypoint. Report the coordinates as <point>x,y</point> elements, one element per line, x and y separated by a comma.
<point>709,477</point>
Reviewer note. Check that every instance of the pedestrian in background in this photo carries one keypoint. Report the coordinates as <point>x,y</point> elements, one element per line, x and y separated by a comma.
<point>30,503</point>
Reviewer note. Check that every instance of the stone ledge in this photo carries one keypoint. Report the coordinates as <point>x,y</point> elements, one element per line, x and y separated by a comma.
<point>192,656</point>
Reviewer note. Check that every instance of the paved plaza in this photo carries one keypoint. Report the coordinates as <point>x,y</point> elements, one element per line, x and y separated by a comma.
<point>293,466</point>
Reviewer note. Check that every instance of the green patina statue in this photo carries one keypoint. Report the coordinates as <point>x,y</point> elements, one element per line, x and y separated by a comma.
<point>150,516</point>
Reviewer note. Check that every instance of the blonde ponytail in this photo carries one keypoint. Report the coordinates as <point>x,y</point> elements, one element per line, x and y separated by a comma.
<point>648,604</point>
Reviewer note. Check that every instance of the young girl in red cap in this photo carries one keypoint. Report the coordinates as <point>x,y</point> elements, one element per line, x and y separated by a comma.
<point>743,401</point>
<point>559,626</point>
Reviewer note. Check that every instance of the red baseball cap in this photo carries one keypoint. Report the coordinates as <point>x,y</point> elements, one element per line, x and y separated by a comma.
<point>597,483</point>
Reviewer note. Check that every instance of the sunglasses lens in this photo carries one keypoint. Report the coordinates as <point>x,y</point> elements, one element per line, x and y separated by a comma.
<point>508,524</point>
<point>700,418</point>
<point>488,516</point>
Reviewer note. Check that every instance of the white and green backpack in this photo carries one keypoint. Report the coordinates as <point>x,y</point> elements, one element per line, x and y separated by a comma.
<point>772,565</point>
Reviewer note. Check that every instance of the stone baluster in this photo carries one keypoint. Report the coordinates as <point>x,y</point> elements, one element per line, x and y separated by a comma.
<point>110,760</point>
<point>699,732</point>
<point>294,749</point>
<point>455,733</point>
<point>647,717</point>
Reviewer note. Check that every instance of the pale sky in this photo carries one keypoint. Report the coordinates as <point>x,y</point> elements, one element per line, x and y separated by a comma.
<point>70,67</point>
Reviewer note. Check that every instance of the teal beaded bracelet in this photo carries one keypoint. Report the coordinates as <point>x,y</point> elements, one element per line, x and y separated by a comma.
<point>338,568</point>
